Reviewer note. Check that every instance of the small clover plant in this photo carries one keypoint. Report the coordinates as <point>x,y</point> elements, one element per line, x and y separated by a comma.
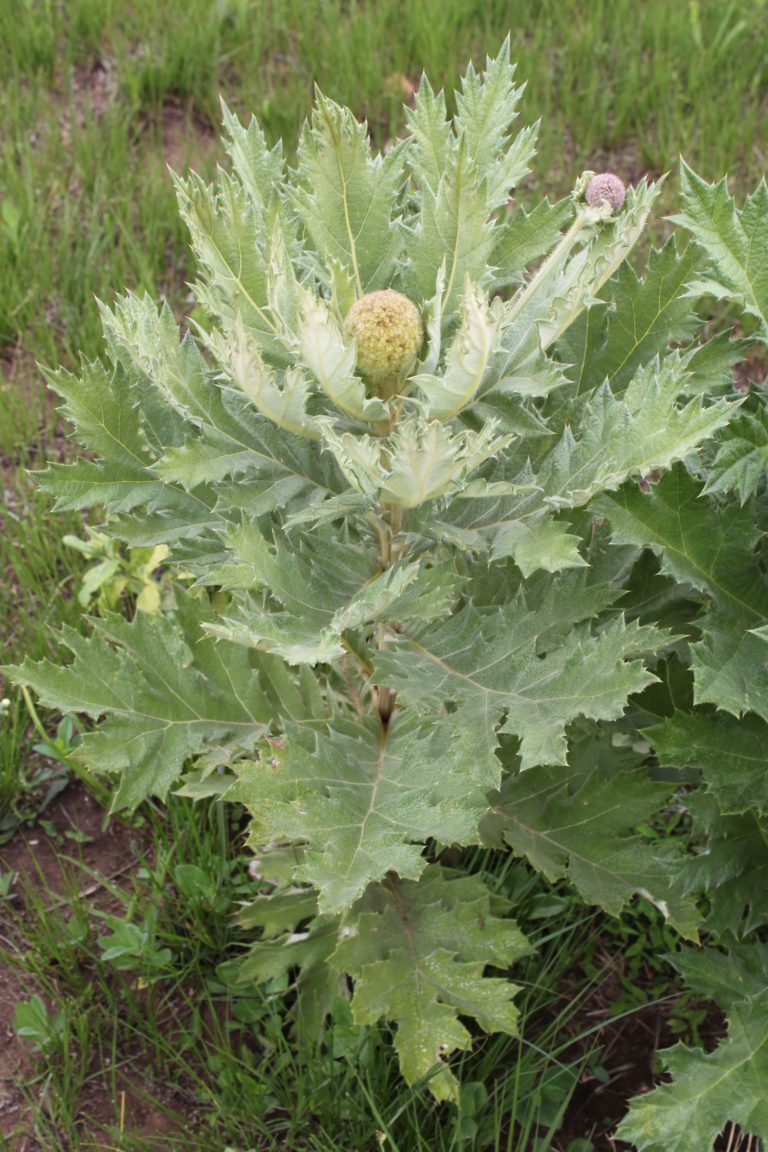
<point>409,467</point>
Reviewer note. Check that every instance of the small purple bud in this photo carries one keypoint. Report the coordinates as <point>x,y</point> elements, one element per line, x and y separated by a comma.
<point>605,186</point>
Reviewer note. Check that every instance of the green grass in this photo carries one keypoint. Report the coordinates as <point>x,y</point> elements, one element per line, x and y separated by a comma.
<point>164,1013</point>
<point>96,98</point>
<point>87,85</point>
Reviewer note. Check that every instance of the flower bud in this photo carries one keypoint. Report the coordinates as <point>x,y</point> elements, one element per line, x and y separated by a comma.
<point>605,186</point>
<point>387,331</point>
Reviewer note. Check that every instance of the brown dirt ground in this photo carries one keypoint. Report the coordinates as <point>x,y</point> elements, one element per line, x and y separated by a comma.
<point>45,860</point>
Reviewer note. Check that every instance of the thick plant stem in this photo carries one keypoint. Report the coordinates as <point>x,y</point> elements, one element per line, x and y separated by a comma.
<point>384,698</point>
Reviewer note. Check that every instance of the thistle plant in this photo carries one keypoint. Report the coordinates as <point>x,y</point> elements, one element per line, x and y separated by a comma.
<point>385,473</point>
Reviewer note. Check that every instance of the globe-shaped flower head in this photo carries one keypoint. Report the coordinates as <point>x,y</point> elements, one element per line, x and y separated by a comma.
<point>387,330</point>
<point>605,186</point>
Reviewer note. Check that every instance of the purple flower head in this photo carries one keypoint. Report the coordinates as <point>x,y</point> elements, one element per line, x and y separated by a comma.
<point>605,186</point>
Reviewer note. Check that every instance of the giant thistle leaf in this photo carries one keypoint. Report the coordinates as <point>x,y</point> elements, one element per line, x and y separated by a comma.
<point>362,800</point>
<point>711,549</point>
<point>418,953</point>
<point>324,588</point>
<point>293,942</point>
<point>741,464</point>
<point>166,691</point>
<point>710,1090</point>
<point>465,170</point>
<point>610,344</point>
<point>497,675</point>
<point>526,237</point>
<point>735,241</point>
<point>345,197</point>
<point>580,821</point>
<point>731,754</point>
<point>707,1091</point>
<point>606,438</point>
<point>730,867</point>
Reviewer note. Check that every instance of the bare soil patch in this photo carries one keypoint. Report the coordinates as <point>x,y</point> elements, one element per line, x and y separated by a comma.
<point>92,89</point>
<point>623,1056</point>
<point>59,869</point>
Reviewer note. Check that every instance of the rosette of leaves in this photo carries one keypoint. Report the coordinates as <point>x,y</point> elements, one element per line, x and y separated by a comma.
<point>401,627</point>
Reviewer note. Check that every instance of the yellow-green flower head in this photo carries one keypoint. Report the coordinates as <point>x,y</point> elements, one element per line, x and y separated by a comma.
<point>387,331</point>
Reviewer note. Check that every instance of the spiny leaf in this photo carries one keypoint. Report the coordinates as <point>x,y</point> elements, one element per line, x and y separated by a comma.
<point>645,313</point>
<point>453,232</point>
<point>611,438</point>
<point>147,340</point>
<point>106,410</point>
<point>486,109</point>
<point>422,460</point>
<point>323,588</point>
<point>332,362</point>
<point>538,543</point>
<point>104,413</point>
<point>295,943</point>
<point>272,467</point>
<point>707,1091</point>
<point>430,135</point>
<point>736,241</point>
<point>166,691</point>
<point>491,669</point>
<point>580,822</point>
<point>741,464</point>
<point>362,799</point>
<point>346,198</point>
<point>730,867</point>
<point>120,488</point>
<point>259,168</point>
<point>283,399</point>
<point>728,977</point>
<point>228,236</point>
<point>525,237</point>
<point>731,754</point>
<point>418,952</point>
<point>466,360</point>
<point>713,550</point>
<point>427,461</point>
<point>710,364</point>
<point>644,430</point>
<point>310,580</point>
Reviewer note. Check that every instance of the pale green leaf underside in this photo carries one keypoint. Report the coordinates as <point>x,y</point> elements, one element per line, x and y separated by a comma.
<point>345,197</point>
<point>543,543</point>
